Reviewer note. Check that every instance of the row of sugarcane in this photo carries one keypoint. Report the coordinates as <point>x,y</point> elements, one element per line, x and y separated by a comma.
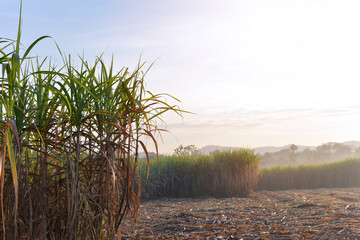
<point>341,174</point>
<point>220,174</point>
<point>69,139</point>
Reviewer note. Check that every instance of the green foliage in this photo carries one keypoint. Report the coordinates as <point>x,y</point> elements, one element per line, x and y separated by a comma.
<point>228,173</point>
<point>338,174</point>
<point>67,135</point>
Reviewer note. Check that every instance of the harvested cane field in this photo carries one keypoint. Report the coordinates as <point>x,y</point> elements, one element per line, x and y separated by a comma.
<point>291,214</point>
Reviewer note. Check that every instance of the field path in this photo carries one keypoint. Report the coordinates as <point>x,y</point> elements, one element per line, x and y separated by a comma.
<point>293,214</point>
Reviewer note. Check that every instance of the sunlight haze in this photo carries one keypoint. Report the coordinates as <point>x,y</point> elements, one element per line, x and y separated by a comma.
<point>255,73</point>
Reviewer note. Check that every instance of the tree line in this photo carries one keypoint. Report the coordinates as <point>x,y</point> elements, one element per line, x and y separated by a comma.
<point>327,152</point>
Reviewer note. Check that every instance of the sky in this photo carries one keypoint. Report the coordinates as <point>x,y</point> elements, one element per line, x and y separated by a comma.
<point>253,72</point>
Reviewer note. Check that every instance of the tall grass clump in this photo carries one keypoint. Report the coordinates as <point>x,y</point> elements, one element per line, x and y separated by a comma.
<point>331,175</point>
<point>228,173</point>
<point>69,143</point>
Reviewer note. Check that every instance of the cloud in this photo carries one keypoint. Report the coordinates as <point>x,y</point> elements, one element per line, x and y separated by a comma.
<point>246,119</point>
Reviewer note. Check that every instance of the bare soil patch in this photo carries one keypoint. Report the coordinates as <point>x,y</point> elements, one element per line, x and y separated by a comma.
<point>293,214</point>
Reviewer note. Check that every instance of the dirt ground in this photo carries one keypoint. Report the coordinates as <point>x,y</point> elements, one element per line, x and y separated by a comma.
<point>293,214</point>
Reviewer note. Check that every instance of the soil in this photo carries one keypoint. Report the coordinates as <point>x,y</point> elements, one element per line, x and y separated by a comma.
<point>292,214</point>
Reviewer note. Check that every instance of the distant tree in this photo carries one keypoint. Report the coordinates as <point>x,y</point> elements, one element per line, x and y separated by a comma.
<point>309,155</point>
<point>357,152</point>
<point>293,149</point>
<point>267,159</point>
<point>324,151</point>
<point>187,150</point>
<point>342,149</point>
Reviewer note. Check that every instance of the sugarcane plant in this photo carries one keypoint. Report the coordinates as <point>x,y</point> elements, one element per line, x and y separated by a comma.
<point>227,173</point>
<point>70,137</point>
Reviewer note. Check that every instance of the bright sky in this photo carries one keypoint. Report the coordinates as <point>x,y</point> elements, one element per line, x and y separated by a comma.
<point>255,72</point>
